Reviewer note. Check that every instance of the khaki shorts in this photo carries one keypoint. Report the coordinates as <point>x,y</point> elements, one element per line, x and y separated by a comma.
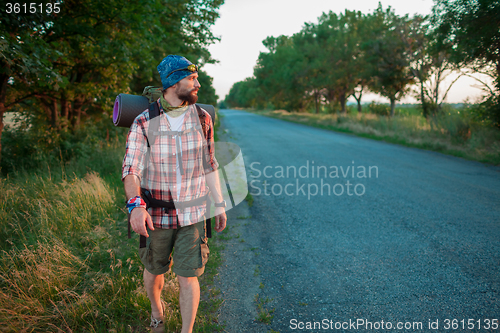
<point>190,250</point>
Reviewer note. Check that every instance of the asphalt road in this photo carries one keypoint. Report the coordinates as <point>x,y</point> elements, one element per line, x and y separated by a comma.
<point>417,240</point>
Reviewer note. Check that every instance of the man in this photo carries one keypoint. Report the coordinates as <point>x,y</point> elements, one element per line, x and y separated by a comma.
<point>174,172</point>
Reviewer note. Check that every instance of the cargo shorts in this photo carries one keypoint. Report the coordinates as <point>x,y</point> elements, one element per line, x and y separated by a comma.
<point>188,244</point>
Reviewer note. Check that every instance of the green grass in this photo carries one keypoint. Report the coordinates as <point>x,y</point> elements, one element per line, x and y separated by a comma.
<point>256,272</point>
<point>452,133</point>
<point>264,315</point>
<point>249,199</point>
<point>66,263</point>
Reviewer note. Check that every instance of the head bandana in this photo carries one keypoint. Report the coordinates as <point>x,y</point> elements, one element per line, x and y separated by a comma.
<point>171,70</point>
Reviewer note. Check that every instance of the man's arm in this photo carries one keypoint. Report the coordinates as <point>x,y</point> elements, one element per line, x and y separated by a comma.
<point>139,217</point>
<point>131,169</point>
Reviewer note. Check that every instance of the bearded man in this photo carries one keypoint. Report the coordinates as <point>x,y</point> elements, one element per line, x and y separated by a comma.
<point>176,165</point>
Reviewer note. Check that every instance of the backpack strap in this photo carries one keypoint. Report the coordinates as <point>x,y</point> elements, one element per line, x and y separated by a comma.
<point>154,111</point>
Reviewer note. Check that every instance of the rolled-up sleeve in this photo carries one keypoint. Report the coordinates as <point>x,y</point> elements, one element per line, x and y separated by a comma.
<point>136,148</point>
<point>211,162</point>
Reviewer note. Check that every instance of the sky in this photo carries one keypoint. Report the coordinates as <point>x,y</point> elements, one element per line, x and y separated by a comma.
<point>244,24</point>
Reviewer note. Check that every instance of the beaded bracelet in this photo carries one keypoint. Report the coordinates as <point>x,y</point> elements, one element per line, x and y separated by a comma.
<point>134,203</point>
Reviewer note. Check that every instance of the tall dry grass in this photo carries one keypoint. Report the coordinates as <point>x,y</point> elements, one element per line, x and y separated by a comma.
<point>65,263</point>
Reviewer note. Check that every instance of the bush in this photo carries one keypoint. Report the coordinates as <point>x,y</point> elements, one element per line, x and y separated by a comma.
<point>31,145</point>
<point>487,112</point>
<point>380,109</point>
<point>454,123</point>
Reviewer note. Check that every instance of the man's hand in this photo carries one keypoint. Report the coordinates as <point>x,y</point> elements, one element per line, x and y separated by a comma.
<point>138,220</point>
<point>220,219</point>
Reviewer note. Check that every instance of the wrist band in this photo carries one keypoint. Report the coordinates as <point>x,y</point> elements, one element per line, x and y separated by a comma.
<point>134,203</point>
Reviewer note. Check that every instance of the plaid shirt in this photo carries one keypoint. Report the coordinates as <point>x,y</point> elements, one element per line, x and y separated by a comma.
<point>161,177</point>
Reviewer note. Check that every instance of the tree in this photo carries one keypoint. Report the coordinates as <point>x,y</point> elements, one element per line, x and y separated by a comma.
<point>308,65</point>
<point>276,73</point>
<point>339,41</point>
<point>24,56</point>
<point>386,55</point>
<point>207,94</point>
<point>429,61</point>
<point>244,94</point>
<point>471,28</point>
<point>363,76</point>
<point>68,66</point>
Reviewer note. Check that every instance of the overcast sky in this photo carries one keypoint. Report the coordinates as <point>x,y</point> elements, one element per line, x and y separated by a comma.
<point>244,24</point>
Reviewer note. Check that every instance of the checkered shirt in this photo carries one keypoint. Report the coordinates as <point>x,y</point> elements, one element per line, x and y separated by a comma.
<point>161,177</point>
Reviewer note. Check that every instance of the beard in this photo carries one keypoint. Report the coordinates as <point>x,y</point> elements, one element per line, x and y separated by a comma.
<point>189,96</point>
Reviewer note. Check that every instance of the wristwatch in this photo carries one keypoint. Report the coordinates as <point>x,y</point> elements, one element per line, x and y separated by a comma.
<point>220,204</point>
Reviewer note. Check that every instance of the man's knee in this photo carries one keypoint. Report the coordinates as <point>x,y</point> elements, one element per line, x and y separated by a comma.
<point>186,282</point>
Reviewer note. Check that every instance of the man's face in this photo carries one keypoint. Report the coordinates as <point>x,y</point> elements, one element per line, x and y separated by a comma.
<point>187,88</point>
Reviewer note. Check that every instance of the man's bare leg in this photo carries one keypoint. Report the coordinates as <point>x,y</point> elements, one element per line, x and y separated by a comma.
<point>154,285</point>
<point>189,299</point>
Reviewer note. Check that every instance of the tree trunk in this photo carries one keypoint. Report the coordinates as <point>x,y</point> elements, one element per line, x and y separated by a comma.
<point>330,97</point>
<point>316,101</point>
<point>4,78</point>
<point>358,99</point>
<point>498,77</point>
<point>55,114</point>
<point>425,107</point>
<point>393,106</point>
<point>77,113</point>
<point>343,100</point>
<point>64,106</point>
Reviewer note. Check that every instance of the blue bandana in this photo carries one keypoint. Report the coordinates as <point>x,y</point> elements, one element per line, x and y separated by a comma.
<point>171,70</point>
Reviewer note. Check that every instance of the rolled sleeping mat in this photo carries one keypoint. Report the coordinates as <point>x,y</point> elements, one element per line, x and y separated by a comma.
<point>127,107</point>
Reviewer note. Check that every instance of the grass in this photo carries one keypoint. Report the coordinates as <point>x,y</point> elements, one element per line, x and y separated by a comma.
<point>451,133</point>
<point>264,315</point>
<point>249,199</point>
<point>66,264</point>
<point>256,272</point>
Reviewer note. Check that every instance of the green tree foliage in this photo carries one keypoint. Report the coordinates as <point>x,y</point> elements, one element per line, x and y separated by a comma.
<point>386,53</point>
<point>471,28</point>
<point>245,94</point>
<point>429,61</point>
<point>308,66</point>
<point>276,73</point>
<point>64,68</point>
<point>342,55</point>
<point>207,94</point>
<point>345,54</point>
<point>339,41</point>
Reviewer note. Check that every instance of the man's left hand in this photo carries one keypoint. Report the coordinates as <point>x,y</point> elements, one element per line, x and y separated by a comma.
<point>220,219</point>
